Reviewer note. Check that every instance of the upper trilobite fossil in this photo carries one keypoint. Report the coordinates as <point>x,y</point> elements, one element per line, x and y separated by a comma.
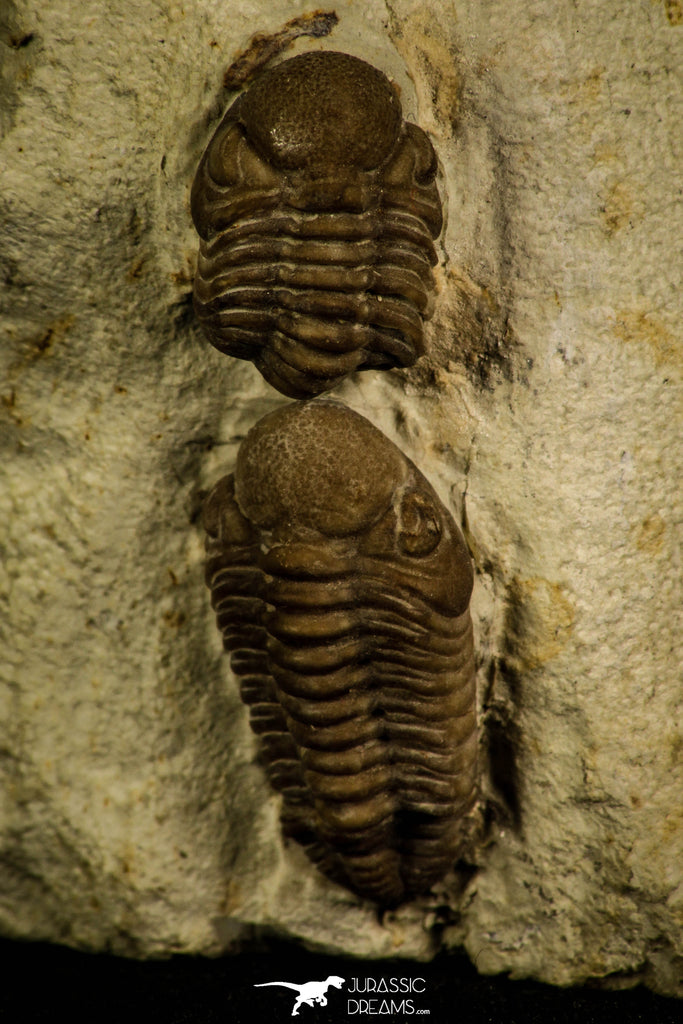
<point>316,206</point>
<point>341,586</point>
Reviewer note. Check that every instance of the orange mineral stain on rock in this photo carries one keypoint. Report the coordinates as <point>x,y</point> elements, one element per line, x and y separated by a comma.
<point>675,744</point>
<point>674,11</point>
<point>424,44</point>
<point>650,534</point>
<point>42,342</point>
<point>540,620</point>
<point>174,618</point>
<point>586,89</point>
<point>639,327</point>
<point>619,208</point>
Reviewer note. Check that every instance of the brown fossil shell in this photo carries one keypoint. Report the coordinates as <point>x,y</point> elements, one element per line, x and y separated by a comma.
<point>341,586</point>
<point>316,207</point>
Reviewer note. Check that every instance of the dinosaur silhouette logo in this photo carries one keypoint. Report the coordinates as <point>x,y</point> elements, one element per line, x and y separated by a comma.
<point>310,993</point>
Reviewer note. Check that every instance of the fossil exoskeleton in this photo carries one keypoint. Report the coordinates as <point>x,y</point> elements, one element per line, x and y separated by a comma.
<point>317,205</point>
<point>341,586</point>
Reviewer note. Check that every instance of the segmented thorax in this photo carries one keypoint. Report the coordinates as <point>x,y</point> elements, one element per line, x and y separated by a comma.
<point>341,586</point>
<point>316,207</point>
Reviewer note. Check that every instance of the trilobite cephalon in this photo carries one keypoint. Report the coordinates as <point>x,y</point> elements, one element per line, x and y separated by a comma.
<point>341,586</point>
<point>316,207</point>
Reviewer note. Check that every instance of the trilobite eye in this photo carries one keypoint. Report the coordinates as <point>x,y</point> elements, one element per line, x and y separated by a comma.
<point>419,526</point>
<point>223,159</point>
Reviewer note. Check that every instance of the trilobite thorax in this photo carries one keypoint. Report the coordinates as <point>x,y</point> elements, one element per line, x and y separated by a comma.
<point>316,206</point>
<point>341,586</point>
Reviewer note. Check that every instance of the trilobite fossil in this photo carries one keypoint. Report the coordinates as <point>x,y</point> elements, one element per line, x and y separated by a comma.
<point>341,586</point>
<point>316,206</point>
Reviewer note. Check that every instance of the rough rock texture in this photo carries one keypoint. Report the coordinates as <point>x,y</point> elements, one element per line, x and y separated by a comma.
<point>547,414</point>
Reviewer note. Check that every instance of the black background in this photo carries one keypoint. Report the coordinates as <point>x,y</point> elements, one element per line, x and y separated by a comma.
<point>51,983</point>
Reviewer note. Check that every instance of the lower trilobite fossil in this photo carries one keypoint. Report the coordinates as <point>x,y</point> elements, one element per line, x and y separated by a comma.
<point>341,586</point>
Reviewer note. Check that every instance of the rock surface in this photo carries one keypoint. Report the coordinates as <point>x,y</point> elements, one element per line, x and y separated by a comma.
<point>547,414</point>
